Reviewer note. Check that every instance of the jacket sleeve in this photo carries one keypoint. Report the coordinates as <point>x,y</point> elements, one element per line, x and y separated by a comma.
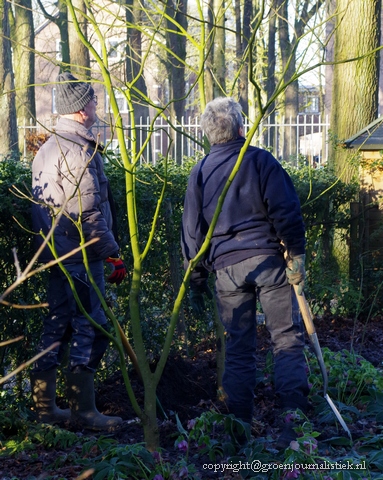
<point>193,231</point>
<point>86,191</point>
<point>282,204</point>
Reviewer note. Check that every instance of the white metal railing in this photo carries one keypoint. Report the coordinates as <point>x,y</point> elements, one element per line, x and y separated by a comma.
<point>306,136</point>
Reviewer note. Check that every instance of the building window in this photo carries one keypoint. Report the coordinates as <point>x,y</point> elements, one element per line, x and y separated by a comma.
<point>114,49</point>
<point>121,102</point>
<point>312,104</point>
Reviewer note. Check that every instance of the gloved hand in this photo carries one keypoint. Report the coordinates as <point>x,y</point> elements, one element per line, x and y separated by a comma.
<point>295,271</point>
<point>119,271</point>
<point>196,298</point>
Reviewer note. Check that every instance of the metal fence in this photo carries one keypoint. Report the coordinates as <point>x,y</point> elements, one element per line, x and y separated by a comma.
<point>305,137</point>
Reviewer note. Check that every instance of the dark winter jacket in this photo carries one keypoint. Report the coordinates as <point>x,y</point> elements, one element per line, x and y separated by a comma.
<point>68,178</point>
<point>260,210</point>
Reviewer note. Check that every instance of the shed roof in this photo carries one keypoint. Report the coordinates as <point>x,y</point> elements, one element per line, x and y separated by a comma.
<point>369,138</point>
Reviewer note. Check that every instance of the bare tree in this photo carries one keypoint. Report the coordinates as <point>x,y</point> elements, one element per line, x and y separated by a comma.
<point>22,35</point>
<point>355,83</point>
<point>176,60</point>
<point>216,47</point>
<point>60,18</point>
<point>8,125</point>
<point>242,36</point>
<point>79,54</point>
<point>270,75</point>
<point>288,41</point>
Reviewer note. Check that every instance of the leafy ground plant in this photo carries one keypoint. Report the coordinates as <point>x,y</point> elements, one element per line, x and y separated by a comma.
<point>200,441</point>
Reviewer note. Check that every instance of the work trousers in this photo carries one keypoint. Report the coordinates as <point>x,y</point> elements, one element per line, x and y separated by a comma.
<point>238,287</point>
<point>66,324</point>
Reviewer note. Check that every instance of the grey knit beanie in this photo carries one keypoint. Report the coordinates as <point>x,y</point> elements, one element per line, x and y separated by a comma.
<point>71,94</point>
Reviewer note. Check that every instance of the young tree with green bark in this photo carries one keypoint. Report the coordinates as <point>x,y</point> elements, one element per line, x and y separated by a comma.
<point>151,27</point>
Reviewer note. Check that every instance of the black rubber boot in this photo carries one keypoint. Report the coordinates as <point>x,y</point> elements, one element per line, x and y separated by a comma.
<point>43,387</point>
<point>81,397</point>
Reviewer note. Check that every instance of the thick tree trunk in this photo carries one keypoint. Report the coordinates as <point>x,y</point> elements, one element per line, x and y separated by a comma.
<point>8,124</point>
<point>175,65</point>
<point>219,50</point>
<point>216,61</point>
<point>242,40</point>
<point>355,84</point>
<point>79,54</point>
<point>133,66</point>
<point>22,34</point>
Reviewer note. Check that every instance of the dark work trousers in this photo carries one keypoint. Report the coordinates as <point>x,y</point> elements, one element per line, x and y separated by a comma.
<point>66,324</point>
<point>237,289</point>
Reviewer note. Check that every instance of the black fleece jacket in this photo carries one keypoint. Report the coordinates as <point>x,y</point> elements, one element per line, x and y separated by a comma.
<point>260,210</point>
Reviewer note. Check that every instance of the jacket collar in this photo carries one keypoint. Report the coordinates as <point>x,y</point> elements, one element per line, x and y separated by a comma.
<point>238,142</point>
<point>71,126</point>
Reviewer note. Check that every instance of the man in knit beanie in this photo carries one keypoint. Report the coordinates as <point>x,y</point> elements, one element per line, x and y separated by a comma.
<point>70,189</point>
<point>72,95</point>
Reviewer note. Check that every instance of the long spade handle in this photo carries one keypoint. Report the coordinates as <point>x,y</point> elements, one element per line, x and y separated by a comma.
<point>309,324</point>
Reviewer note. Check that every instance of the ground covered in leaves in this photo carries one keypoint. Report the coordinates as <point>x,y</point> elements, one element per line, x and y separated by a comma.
<point>187,389</point>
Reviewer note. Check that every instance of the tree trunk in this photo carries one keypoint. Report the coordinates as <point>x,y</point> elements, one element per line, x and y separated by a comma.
<point>288,54</point>
<point>175,65</point>
<point>270,78</point>
<point>133,66</point>
<point>8,124</point>
<point>355,84</point>
<point>216,60</point>
<point>242,40</point>
<point>219,86</point>
<point>209,70</point>
<point>61,20</point>
<point>22,34</point>
<point>79,54</point>
<point>291,92</point>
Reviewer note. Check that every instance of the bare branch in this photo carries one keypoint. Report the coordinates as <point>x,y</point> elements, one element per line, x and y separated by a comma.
<point>29,362</point>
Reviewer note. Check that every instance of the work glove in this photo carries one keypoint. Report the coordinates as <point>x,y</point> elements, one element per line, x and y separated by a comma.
<point>295,271</point>
<point>196,298</point>
<point>119,271</point>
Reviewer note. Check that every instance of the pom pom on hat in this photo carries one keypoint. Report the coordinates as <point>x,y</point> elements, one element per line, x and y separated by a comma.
<point>72,95</point>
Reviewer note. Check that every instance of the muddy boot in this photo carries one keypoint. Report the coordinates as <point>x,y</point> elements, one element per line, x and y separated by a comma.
<point>43,387</point>
<point>81,397</point>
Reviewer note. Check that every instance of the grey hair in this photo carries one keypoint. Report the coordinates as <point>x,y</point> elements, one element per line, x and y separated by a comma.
<point>222,120</point>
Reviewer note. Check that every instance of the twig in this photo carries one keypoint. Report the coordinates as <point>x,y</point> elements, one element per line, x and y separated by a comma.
<point>29,362</point>
<point>7,342</point>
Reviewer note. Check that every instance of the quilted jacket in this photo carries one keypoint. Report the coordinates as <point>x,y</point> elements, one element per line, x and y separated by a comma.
<point>69,186</point>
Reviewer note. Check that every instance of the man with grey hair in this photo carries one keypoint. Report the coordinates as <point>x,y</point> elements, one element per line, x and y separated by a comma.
<point>260,217</point>
<point>71,193</point>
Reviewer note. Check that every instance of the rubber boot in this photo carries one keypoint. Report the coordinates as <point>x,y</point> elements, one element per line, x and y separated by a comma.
<point>43,387</point>
<point>81,397</point>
